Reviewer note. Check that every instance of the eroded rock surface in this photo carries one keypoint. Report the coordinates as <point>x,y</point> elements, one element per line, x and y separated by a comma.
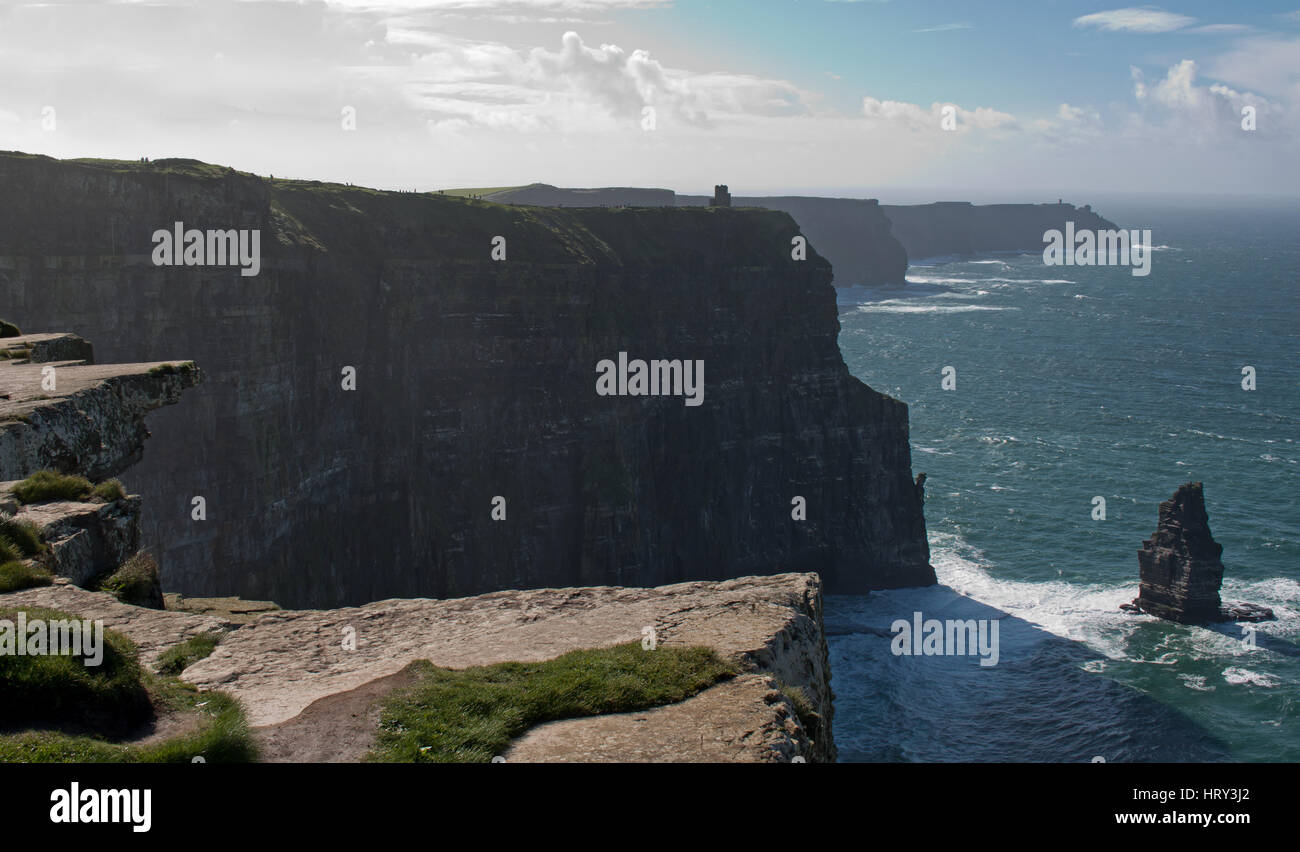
<point>286,662</point>
<point>742,720</point>
<point>91,422</point>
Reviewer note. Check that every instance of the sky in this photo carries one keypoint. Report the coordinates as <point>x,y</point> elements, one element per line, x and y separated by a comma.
<point>941,99</point>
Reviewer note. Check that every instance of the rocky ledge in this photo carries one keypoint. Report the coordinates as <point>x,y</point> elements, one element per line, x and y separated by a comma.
<point>60,411</point>
<point>1181,569</point>
<point>289,665</point>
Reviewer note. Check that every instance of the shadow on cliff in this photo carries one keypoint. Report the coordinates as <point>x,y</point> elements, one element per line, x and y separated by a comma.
<point>1047,699</point>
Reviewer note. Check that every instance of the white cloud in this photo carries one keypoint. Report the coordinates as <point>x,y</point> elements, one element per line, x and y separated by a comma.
<point>920,119</point>
<point>1135,20</point>
<point>943,28</point>
<point>1182,111</point>
<point>1221,29</point>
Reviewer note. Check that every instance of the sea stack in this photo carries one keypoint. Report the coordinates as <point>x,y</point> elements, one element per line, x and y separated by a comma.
<point>1181,569</point>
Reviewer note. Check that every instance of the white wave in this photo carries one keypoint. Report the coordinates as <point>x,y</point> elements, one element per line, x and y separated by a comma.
<point>1237,676</point>
<point>1031,280</point>
<point>1090,613</point>
<point>887,308</point>
<point>1083,613</point>
<point>1196,682</point>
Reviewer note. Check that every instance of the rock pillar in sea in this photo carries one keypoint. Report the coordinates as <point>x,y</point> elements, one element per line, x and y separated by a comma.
<point>1181,569</point>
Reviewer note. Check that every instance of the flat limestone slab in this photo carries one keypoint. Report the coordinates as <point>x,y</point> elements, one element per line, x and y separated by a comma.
<point>286,660</point>
<point>742,720</point>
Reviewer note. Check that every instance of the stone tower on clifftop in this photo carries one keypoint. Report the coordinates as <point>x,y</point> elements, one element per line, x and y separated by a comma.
<point>721,197</point>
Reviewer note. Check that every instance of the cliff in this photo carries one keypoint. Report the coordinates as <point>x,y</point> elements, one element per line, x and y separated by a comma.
<point>853,233</point>
<point>866,242</point>
<point>474,379</point>
<point>545,195</point>
<point>959,227</point>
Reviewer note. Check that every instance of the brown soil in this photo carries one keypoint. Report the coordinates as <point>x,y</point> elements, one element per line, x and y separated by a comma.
<point>338,728</point>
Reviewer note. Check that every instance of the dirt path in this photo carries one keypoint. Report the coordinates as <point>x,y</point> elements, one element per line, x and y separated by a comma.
<point>338,728</point>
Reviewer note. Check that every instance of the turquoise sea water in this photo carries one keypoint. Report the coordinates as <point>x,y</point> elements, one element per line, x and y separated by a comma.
<point>1076,382</point>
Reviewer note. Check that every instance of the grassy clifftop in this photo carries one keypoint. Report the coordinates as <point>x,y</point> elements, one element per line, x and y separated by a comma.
<point>121,202</point>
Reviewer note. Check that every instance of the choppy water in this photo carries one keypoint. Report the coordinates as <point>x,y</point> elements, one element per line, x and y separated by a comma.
<point>1075,382</point>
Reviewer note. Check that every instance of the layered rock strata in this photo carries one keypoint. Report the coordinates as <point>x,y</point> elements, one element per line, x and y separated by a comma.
<point>475,379</point>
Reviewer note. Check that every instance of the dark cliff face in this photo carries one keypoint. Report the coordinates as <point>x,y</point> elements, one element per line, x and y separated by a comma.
<point>474,379</point>
<point>959,227</point>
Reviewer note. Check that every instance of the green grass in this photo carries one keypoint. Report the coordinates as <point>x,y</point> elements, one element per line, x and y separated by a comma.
<point>15,575</point>
<point>178,658</point>
<point>482,190</point>
<point>22,536</point>
<point>135,582</point>
<point>112,699</point>
<point>809,719</point>
<point>47,485</point>
<point>223,737</point>
<point>171,369</point>
<point>110,491</point>
<point>471,715</point>
<point>60,689</point>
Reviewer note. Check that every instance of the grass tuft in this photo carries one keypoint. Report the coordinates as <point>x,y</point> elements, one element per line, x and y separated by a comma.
<point>471,715</point>
<point>62,689</point>
<point>15,575</point>
<point>135,582</point>
<point>22,536</point>
<point>8,329</point>
<point>110,491</point>
<point>178,658</point>
<point>46,485</point>
<point>171,369</point>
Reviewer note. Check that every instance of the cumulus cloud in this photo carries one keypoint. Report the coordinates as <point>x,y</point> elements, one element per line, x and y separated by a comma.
<point>920,119</point>
<point>1135,20</point>
<point>1195,112</point>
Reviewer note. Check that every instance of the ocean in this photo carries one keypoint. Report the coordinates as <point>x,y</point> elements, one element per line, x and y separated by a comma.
<point>1072,383</point>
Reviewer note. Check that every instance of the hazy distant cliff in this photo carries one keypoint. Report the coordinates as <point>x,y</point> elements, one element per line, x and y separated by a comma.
<point>866,242</point>
<point>850,232</point>
<point>474,379</point>
<point>959,227</point>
